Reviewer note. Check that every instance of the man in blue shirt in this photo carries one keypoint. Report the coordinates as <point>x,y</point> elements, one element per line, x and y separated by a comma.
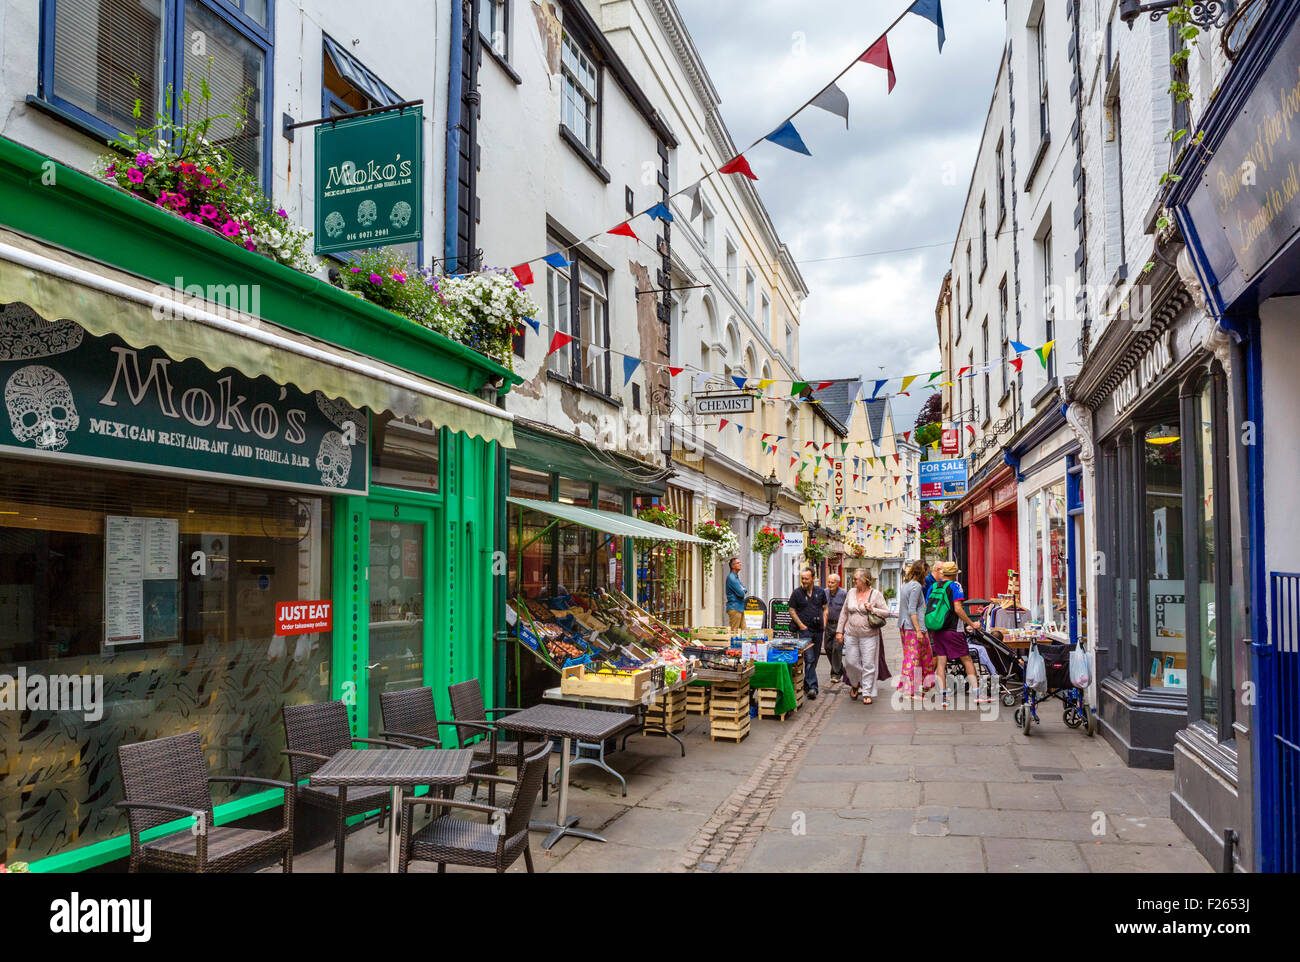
<point>808,610</point>
<point>736,594</point>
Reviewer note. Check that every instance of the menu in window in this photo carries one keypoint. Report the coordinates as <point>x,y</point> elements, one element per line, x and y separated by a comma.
<point>161,541</point>
<point>136,550</point>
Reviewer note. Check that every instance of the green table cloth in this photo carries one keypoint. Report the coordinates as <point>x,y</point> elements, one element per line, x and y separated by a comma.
<point>776,675</point>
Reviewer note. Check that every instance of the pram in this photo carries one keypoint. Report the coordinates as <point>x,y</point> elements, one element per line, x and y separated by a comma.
<point>1077,711</point>
<point>997,660</point>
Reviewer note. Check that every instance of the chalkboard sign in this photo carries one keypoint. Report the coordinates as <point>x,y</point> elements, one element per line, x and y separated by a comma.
<point>780,619</point>
<point>755,613</point>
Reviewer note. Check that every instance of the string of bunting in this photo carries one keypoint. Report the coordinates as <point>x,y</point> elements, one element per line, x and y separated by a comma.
<point>830,98</point>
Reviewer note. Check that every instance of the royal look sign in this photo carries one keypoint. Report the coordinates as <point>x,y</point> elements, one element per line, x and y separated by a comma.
<point>370,181</point>
<point>70,395</point>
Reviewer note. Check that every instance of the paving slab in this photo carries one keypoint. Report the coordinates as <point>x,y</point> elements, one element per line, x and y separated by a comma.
<point>603,857</point>
<point>1061,826</point>
<point>1033,855</point>
<point>881,795</point>
<point>784,852</point>
<point>822,794</point>
<point>913,755</point>
<point>855,773</point>
<point>1035,796</point>
<point>654,828</point>
<point>1143,859</point>
<point>914,853</point>
<point>969,794</point>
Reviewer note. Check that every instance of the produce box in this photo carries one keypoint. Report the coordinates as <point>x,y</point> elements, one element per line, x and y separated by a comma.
<point>754,651</point>
<point>712,637</point>
<point>786,656</point>
<point>628,685</point>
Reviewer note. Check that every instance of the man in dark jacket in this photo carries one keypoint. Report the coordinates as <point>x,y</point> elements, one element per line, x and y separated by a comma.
<point>808,604</point>
<point>835,596</point>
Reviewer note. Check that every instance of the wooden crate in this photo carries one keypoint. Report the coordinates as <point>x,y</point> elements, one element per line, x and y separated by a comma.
<point>627,685</point>
<point>669,712</point>
<point>697,700</point>
<point>733,730</point>
<point>767,699</point>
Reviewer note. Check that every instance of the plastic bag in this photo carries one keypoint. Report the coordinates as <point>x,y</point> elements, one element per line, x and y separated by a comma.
<point>1036,672</point>
<point>1080,672</point>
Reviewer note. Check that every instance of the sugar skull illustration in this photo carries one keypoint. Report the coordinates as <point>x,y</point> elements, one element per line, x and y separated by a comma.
<point>400,215</point>
<point>334,224</point>
<point>367,213</point>
<point>334,460</point>
<point>41,408</point>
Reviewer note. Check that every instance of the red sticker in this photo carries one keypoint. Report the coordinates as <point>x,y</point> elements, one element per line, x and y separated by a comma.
<point>303,617</point>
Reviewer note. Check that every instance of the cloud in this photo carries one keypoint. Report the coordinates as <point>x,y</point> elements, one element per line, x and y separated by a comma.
<point>896,179</point>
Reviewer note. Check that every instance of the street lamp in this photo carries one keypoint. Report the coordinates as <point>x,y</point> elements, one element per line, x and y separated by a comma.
<point>771,492</point>
<point>1207,14</point>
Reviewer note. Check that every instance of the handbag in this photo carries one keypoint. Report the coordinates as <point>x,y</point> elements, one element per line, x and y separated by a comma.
<point>874,620</point>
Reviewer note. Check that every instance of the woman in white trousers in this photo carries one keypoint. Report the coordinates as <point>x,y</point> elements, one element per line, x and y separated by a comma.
<point>861,641</point>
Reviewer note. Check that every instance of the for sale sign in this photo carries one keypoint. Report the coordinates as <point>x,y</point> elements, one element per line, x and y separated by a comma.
<point>303,617</point>
<point>943,480</point>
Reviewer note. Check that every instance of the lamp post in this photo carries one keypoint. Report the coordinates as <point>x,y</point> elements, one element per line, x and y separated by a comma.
<point>1207,14</point>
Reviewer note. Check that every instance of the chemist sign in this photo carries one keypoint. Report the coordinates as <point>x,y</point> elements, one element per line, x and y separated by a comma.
<point>370,181</point>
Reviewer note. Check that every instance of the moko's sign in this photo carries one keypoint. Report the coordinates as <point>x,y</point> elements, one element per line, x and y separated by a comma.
<point>97,400</point>
<point>370,181</point>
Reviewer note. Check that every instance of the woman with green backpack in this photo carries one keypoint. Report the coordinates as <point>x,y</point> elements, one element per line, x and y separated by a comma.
<point>943,613</point>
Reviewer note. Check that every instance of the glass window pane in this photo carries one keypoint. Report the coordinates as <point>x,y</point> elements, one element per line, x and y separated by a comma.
<point>405,455</point>
<point>1208,557</point>
<point>397,578</point>
<point>1162,567</point>
<point>108,54</point>
<point>1057,559</point>
<point>234,69</point>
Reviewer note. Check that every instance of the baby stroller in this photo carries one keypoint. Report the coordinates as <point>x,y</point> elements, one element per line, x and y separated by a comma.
<point>996,660</point>
<point>1077,713</point>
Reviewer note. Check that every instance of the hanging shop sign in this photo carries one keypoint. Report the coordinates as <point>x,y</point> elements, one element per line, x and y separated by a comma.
<point>792,543</point>
<point>838,489</point>
<point>1253,177</point>
<point>370,181</point>
<point>951,441</point>
<point>73,396</point>
<point>724,404</point>
<point>943,480</point>
<point>1154,363</point>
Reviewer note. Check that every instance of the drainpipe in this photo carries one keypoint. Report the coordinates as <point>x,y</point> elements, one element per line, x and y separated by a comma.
<point>455,95</point>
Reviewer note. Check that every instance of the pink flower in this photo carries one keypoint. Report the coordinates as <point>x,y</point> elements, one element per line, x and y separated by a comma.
<point>399,277</point>
<point>281,212</point>
<point>135,176</point>
<point>356,270</point>
<point>143,159</point>
<point>376,279</point>
<point>208,211</point>
<point>189,170</point>
<point>249,245</point>
<point>205,180</point>
<point>230,228</point>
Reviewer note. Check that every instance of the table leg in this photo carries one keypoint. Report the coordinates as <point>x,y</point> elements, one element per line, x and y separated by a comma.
<point>394,835</point>
<point>564,823</point>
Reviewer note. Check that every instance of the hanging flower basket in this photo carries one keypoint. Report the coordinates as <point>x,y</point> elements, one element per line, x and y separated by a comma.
<point>765,543</point>
<point>816,550</point>
<point>721,541</point>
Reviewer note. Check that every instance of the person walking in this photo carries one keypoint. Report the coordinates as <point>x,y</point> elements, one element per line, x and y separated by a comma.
<point>808,604</point>
<point>943,612</point>
<point>918,659</point>
<point>833,645</point>
<point>859,629</point>
<point>736,594</point>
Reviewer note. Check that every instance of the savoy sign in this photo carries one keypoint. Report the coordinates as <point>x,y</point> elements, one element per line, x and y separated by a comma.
<point>99,400</point>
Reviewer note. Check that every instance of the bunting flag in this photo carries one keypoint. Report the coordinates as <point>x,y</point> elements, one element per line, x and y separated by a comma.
<point>797,388</point>
<point>523,273</point>
<point>934,375</point>
<point>738,165</point>
<point>630,364</point>
<point>907,382</point>
<point>766,383</point>
<point>932,11</point>
<point>879,384</point>
<point>739,382</point>
<point>1018,364</point>
<point>534,324</point>
<point>674,371</point>
<point>558,340</point>
<point>833,100</point>
<point>697,200</point>
<point>971,429</point>
<point>878,56</point>
<point>1045,352</point>
<point>702,381</point>
<point>661,212</point>
<point>722,424</point>
<point>962,372</point>
<point>623,230</point>
<point>786,136</point>
<point>557,260</point>
<point>823,385</point>
<point>1020,348</point>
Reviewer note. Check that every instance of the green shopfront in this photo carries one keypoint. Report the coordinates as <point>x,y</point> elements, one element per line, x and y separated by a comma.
<point>257,492</point>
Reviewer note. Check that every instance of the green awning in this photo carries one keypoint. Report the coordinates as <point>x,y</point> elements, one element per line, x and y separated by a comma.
<point>608,522</point>
<point>58,286</point>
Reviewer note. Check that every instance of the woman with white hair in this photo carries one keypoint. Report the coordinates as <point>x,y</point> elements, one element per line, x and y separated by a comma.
<point>859,630</point>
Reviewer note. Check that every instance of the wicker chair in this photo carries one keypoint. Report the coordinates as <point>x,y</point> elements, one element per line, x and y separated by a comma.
<point>410,717</point>
<point>495,843</point>
<point>471,717</point>
<point>315,733</point>
<point>168,777</point>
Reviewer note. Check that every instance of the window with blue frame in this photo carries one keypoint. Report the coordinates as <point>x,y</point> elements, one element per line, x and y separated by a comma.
<point>99,58</point>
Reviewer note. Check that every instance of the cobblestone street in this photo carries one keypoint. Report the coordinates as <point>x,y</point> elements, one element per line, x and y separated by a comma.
<point>844,787</point>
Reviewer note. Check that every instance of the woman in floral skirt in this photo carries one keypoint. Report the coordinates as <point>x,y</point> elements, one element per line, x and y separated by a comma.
<point>918,659</point>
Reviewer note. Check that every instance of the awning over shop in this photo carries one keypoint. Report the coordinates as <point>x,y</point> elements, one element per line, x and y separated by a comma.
<point>60,286</point>
<point>619,525</point>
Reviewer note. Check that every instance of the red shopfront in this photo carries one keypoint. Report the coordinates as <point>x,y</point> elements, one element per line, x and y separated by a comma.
<point>988,518</point>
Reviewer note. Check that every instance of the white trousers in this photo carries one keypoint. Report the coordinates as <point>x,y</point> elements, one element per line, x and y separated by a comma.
<point>860,659</point>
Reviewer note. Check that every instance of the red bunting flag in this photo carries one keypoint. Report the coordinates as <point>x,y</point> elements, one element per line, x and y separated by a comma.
<point>905,434</point>
<point>1018,363</point>
<point>524,273</point>
<point>878,56</point>
<point>895,461</point>
<point>624,230</point>
<point>674,371</point>
<point>823,384</point>
<point>962,371</point>
<point>722,424</point>
<point>792,461</point>
<point>558,340</point>
<point>826,445</point>
<point>738,165</point>
<point>971,429</point>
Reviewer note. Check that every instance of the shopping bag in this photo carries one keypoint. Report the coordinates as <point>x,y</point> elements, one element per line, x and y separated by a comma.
<point>1036,672</point>
<point>1080,673</point>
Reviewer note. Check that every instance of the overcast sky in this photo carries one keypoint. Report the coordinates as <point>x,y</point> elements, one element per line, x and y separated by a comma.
<point>896,179</point>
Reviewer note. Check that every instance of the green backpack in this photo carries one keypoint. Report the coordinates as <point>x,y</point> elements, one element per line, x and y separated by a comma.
<point>940,615</point>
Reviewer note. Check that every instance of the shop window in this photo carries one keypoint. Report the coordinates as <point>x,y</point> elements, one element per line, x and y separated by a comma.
<point>405,455</point>
<point>99,57</point>
<point>529,549</point>
<point>1164,589</point>
<point>494,25</point>
<point>580,108</point>
<point>185,640</point>
<point>1126,551</point>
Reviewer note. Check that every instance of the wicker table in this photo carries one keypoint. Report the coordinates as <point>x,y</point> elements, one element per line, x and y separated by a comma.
<point>633,706</point>
<point>398,768</point>
<point>557,721</point>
